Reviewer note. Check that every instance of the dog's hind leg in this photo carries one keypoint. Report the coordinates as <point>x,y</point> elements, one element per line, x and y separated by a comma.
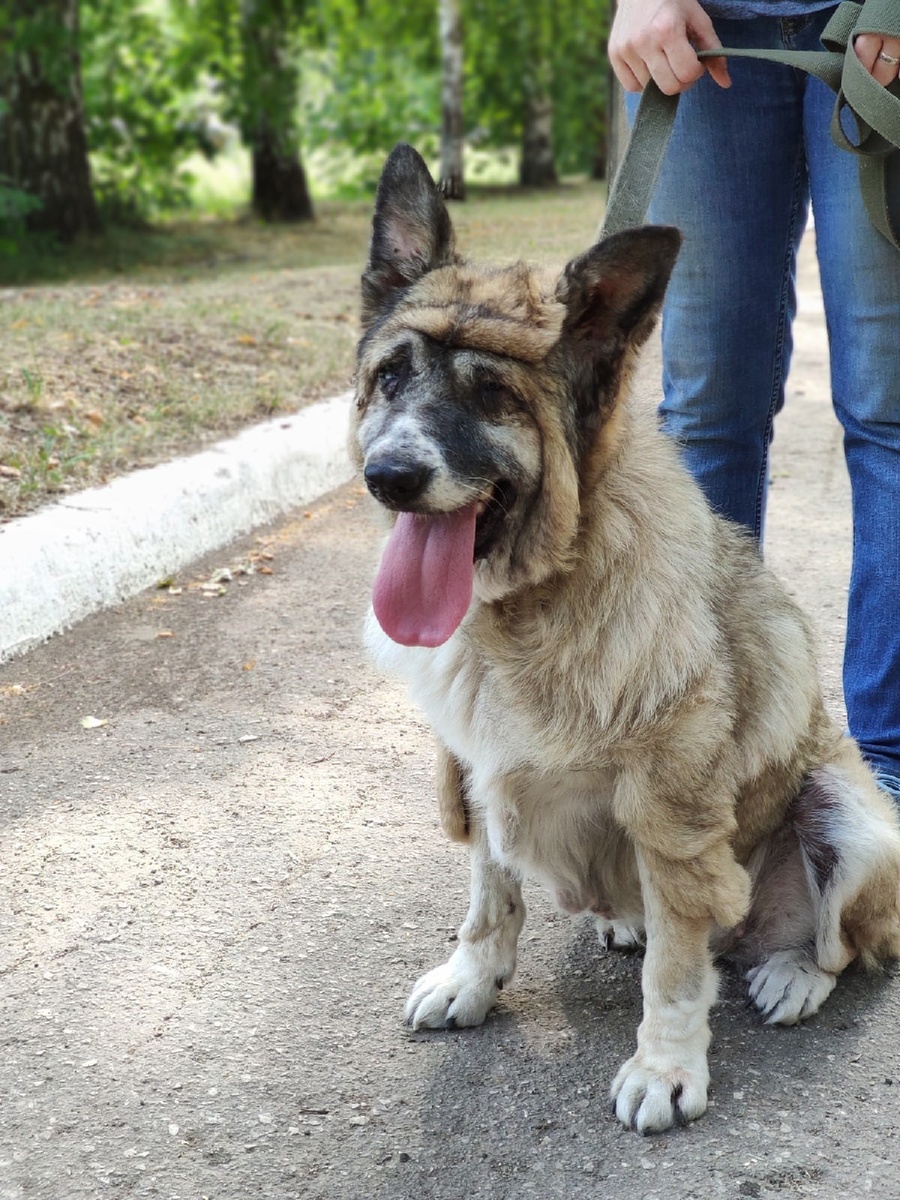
<point>619,935</point>
<point>826,892</point>
<point>465,988</point>
<point>786,981</point>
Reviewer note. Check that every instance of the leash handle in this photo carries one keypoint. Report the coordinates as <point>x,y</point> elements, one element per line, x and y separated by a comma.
<point>875,109</point>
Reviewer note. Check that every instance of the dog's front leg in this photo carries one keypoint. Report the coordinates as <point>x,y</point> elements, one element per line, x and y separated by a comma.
<point>665,1083</point>
<point>464,989</point>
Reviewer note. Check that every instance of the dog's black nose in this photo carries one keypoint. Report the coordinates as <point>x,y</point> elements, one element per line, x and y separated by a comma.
<point>396,481</point>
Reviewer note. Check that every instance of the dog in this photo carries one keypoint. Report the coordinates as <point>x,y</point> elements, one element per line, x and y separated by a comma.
<point>625,700</point>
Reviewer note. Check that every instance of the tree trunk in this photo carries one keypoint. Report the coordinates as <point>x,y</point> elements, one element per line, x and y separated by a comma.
<point>452,181</point>
<point>43,146</point>
<point>538,165</point>
<point>270,87</point>
<point>280,190</point>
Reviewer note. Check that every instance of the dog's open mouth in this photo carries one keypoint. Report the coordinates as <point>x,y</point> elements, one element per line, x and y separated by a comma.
<point>424,584</point>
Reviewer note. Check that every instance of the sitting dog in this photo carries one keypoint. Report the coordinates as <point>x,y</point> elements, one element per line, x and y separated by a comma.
<point>625,700</point>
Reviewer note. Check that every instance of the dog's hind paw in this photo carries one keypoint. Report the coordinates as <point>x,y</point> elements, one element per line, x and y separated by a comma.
<point>616,935</point>
<point>788,987</point>
<point>650,1096</point>
<point>452,995</point>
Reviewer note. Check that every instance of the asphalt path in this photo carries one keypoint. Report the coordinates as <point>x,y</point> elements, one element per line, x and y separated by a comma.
<point>222,871</point>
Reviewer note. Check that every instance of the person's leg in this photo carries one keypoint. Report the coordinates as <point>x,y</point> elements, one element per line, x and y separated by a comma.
<point>860,273</point>
<point>734,181</point>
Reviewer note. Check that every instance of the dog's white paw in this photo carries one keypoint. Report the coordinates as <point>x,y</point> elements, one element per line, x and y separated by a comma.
<point>455,994</point>
<point>788,987</point>
<point>617,935</point>
<point>652,1093</point>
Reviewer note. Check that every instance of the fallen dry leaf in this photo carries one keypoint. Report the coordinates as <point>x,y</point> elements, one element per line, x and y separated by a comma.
<point>165,633</point>
<point>92,722</point>
<point>10,472</point>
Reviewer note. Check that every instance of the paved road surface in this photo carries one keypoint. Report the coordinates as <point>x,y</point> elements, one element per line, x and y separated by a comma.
<point>214,905</point>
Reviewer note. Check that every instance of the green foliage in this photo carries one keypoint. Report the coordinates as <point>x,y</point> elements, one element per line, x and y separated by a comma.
<point>371,74</point>
<point>252,51</point>
<point>556,46</point>
<point>144,113</point>
<point>345,79</point>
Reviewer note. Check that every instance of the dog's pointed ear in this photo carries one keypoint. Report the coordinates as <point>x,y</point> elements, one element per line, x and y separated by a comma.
<point>613,292</point>
<point>411,231</point>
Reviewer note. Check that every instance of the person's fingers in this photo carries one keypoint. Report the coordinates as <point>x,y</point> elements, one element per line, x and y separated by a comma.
<point>718,69</point>
<point>684,63</point>
<point>706,38</point>
<point>663,75</point>
<point>626,76</point>
<point>875,52</point>
<point>867,46</point>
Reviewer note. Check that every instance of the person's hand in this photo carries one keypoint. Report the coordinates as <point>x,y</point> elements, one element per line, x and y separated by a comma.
<point>658,39</point>
<point>880,55</point>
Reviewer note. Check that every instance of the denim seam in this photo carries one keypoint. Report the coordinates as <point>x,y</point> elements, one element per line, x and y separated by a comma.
<point>778,372</point>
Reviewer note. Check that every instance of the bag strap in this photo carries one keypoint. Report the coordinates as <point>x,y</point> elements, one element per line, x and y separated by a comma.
<point>875,110</point>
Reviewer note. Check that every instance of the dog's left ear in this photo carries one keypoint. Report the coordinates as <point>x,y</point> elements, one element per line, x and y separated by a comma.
<point>613,291</point>
<point>411,231</point>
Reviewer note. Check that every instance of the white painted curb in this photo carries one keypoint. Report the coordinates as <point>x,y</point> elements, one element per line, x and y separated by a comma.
<point>98,547</point>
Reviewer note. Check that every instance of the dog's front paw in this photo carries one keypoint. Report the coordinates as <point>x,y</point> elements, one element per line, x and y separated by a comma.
<point>650,1093</point>
<point>455,994</point>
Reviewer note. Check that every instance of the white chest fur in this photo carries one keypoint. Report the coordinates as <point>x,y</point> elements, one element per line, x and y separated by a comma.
<point>544,816</point>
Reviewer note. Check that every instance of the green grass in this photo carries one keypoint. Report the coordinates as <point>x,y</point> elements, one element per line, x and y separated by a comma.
<point>125,351</point>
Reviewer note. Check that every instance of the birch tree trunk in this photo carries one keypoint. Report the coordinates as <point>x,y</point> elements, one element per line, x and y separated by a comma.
<point>452,181</point>
<point>43,146</point>
<point>538,163</point>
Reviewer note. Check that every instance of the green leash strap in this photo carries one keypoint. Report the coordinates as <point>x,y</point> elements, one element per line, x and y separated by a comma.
<point>874,109</point>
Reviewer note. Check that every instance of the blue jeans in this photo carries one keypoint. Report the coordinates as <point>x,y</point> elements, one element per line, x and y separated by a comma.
<point>741,169</point>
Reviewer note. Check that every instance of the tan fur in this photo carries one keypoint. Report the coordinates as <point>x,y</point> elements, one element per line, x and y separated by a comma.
<point>630,710</point>
<point>451,796</point>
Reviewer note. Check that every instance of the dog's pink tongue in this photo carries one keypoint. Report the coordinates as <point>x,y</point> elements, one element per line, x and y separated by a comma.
<point>424,584</point>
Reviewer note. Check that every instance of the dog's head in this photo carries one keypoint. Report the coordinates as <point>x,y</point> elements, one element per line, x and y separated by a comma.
<point>485,400</point>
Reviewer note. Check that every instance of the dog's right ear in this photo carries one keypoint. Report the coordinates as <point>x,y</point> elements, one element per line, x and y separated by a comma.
<point>411,231</point>
<point>613,291</point>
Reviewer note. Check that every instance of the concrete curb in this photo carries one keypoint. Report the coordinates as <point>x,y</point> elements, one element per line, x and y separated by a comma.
<point>98,547</point>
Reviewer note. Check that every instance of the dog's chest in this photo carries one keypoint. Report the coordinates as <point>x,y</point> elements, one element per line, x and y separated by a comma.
<point>544,815</point>
<point>470,710</point>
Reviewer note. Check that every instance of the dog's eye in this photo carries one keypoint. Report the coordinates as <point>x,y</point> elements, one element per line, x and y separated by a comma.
<point>389,377</point>
<point>493,391</point>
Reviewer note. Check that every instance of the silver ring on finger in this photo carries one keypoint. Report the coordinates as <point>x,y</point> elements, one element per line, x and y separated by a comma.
<point>888,58</point>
